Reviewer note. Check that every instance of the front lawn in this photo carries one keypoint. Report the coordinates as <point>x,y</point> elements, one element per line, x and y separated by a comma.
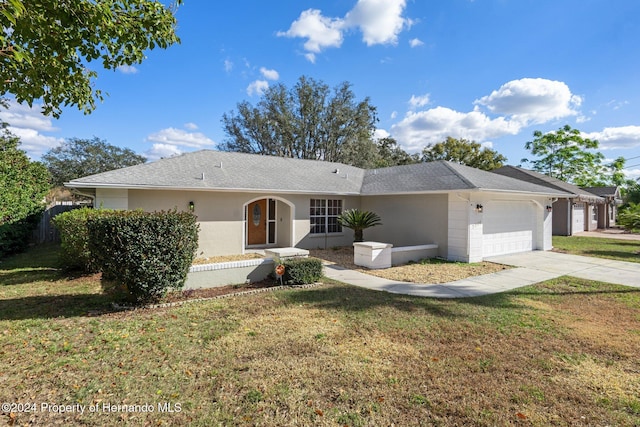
<point>563,352</point>
<point>621,250</point>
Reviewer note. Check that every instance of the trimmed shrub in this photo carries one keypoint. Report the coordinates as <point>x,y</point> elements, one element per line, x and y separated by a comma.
<point>74,237</point>
<point>300,271</point>
<point>147,253</point>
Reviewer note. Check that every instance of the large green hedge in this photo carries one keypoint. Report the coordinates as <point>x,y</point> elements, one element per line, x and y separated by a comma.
<point>74,237</point>
<point>148,253</point>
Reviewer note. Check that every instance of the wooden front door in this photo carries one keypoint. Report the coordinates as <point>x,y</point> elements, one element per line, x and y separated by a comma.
<point>257,222</point>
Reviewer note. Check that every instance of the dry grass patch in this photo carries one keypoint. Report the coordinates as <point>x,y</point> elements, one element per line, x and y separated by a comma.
<point>226,258</point>
<point>330,355</point>
<point>427,271</point>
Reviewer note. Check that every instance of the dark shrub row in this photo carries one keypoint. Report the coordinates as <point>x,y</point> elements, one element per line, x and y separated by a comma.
<point>15,236</point>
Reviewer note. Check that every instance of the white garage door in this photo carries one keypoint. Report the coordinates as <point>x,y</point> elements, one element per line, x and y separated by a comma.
<point>508,227</point>
<point>578,218</point>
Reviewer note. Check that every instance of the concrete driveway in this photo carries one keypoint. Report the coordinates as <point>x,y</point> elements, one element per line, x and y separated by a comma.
<point>531,267</point>
<point>604,270</point>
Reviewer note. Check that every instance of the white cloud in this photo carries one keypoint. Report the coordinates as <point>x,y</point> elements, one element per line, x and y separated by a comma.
<point>179,137</point>
<point>127,69</point>
<point>417,129</point>
<point>624,137</point>
<point>415,42</point>
<point>162,151</point>
<point>632,173</point>
<point>532,101</point>
<point>191,126</point>
<point>487,144</point>
<point>321,32</point>
<point>380,133</point>
<point>257,87</point>
<point>28,123</point>
<point>35,143</point>
<point>419,101</point>
<point>514,106</point>
<point>23,116</point>
<point>228,65</point>
<point>269,74</point>
<point>379,21</point>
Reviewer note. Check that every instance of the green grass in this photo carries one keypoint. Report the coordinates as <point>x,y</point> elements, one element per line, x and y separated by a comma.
<point>621,250</point>
<point>563,352</point>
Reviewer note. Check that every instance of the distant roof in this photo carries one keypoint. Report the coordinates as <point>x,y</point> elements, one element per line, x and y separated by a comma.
<point>603,191</point>
<point>548,181</point>
<point>225,171</point>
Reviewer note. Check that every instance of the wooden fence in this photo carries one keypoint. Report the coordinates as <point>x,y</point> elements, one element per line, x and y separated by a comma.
<point>46,232</point>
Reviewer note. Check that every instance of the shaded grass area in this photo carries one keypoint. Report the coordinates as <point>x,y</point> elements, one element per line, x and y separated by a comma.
<point>621,250</point>
<point>563,352</point>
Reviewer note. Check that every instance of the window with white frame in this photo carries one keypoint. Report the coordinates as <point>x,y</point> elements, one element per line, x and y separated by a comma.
<point>323,216</point>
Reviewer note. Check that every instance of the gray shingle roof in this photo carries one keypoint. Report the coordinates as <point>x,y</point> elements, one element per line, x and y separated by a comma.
<point>547,181</point>
<point>442,176</point>
<point>232,171</point>
<point>602,191</point>
<point>251,172</point>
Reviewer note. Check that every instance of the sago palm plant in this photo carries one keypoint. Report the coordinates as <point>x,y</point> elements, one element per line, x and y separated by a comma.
<point>358,221</point>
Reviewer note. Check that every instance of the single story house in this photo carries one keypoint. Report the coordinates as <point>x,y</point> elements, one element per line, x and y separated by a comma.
<point>571,214</point>
<point>247,201</point>
<point>609,211</point>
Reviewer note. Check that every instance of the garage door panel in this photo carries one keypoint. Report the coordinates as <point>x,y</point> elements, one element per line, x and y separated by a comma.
<point>508,227</point>
<point>578,218</point>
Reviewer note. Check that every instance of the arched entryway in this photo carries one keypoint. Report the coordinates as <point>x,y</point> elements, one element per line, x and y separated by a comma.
<point>268,222</point>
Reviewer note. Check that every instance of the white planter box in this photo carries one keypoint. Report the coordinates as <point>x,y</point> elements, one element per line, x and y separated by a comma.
<point>373,255</point>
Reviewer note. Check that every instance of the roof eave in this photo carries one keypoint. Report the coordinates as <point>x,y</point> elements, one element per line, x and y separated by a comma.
<point>212,189</point>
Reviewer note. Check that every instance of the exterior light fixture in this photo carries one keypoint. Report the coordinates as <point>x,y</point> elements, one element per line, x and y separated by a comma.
<point>479,208</point>
<point>192,206</point>
<point>549,208</point>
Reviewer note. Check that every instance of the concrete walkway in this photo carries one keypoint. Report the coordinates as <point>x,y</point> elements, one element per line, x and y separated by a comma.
<point>532,267</point>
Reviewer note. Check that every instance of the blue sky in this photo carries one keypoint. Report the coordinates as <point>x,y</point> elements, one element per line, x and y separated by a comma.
<point>492,71</point>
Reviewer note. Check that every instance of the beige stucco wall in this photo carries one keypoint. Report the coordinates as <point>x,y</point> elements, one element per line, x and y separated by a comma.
<point>409,220</point>
<point>112,198</point>
<point>221,217</point>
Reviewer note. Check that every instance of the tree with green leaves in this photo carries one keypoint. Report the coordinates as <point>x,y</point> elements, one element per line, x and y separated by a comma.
<point>78,157</point>
<point>307,121</point>
<point>464,152</point>
<point>23,186</point>
<point>565,154</point>
<point>48,46</point>
<point>358,221</point>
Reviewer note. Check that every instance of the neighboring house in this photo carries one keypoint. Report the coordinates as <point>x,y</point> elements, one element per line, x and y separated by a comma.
<point>608,212</point>
<point>571,214</point>
<point>246,201</point>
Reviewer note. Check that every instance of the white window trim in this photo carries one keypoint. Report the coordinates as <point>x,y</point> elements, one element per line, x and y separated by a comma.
<point>326,217</point>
